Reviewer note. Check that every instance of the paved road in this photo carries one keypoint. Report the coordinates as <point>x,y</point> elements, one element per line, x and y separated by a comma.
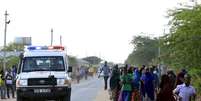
<point>85,91</point>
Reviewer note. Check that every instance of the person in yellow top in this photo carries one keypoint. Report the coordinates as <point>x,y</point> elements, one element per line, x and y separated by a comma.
<point>1,80</point>
<point>2,86</point>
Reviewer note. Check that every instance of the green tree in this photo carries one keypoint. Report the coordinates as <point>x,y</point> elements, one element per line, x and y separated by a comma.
<point>11,60</point>
<point>182,46</point>
<point>14,47</point>
<point>144,51</point>
<point>183,42</point>
<point>92,60</point>
<point>72,61</point>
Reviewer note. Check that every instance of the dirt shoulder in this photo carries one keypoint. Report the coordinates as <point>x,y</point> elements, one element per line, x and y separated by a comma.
<point>103,95</point>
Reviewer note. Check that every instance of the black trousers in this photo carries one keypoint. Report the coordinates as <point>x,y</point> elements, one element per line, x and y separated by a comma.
<point>105,80</point>
<point>8,88</point>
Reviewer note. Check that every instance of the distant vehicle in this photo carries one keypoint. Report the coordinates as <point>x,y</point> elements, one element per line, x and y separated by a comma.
<point>44,73</point>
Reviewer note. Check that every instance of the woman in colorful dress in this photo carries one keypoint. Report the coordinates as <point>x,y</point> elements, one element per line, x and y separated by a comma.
<point>126,80</point>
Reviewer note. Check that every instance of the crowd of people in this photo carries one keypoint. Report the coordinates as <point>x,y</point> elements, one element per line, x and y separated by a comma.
<point>128,83</point>
<point>145,83</point>
<point>81,72</point>
<point>7,82</point>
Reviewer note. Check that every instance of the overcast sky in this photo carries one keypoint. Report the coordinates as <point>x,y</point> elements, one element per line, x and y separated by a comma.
<point>88,27</point>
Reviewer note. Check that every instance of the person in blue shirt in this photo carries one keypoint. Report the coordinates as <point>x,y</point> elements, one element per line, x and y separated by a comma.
<point>106,73</point>
<point>136,85</point>
<point>9,84</point>
<point>148,80</point>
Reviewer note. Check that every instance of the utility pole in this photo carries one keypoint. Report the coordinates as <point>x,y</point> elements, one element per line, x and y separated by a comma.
<point>160,67</point>
<point>51,37</point>
<point>60,40</point>
<point>5,30</point>
<point>99,55</point>
<point>159,48</point>
<point>159,53</point>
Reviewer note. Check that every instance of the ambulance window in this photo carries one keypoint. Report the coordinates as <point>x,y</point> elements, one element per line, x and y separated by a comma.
<point>45,63</point>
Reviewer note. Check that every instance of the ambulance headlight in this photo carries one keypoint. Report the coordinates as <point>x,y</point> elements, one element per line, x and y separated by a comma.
<point>63,82</point>
<point>21,82</point>
<point>60,81</point>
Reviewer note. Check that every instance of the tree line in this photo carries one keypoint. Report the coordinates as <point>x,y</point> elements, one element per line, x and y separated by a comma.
<point>180,48</point>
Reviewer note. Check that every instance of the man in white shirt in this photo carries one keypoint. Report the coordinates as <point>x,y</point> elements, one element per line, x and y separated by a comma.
<point>185,91</point>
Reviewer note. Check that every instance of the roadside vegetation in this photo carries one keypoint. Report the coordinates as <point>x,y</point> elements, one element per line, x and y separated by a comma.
<point>180,48</point>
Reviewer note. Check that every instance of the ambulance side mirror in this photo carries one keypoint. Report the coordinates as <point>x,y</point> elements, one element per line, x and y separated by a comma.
<point>70,69</point>
<point>20,63</point>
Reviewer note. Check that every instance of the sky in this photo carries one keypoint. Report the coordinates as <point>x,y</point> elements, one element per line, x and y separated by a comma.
<point>102,28</point>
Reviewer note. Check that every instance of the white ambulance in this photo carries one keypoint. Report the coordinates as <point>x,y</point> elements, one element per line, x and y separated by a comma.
<point>43,73</point>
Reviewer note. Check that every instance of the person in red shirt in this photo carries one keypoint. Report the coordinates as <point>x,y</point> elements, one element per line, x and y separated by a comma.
<point>165,92</point>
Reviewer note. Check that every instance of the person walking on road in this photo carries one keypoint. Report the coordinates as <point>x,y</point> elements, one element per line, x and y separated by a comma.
<point>142,84</point>
<point>77,74</point>
<point>2,85</point>
<point>126,80</point>
<point>166,88</point>
<point>180,77</point>
<point>156,77</point>
<point>9,84</point>
<point>14,73</point>
<point>148,80</point>
<point>136,85</point>
<point>172,78</point>
<point>106,72</point>
<point>114,83</point>
<point>86,70</point>
<point>185,91</point>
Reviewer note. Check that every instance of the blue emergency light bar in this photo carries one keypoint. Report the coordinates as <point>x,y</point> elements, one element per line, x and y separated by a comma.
<point>30,48</point>
<point>37,48</point>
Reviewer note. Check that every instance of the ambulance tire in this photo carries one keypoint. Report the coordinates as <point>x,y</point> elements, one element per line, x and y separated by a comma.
<point>19,98</point>
<point>66,98</point>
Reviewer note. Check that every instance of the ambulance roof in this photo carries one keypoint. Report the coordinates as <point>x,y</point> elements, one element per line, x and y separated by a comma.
<point>33,51</point>
<point>44,53</point>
